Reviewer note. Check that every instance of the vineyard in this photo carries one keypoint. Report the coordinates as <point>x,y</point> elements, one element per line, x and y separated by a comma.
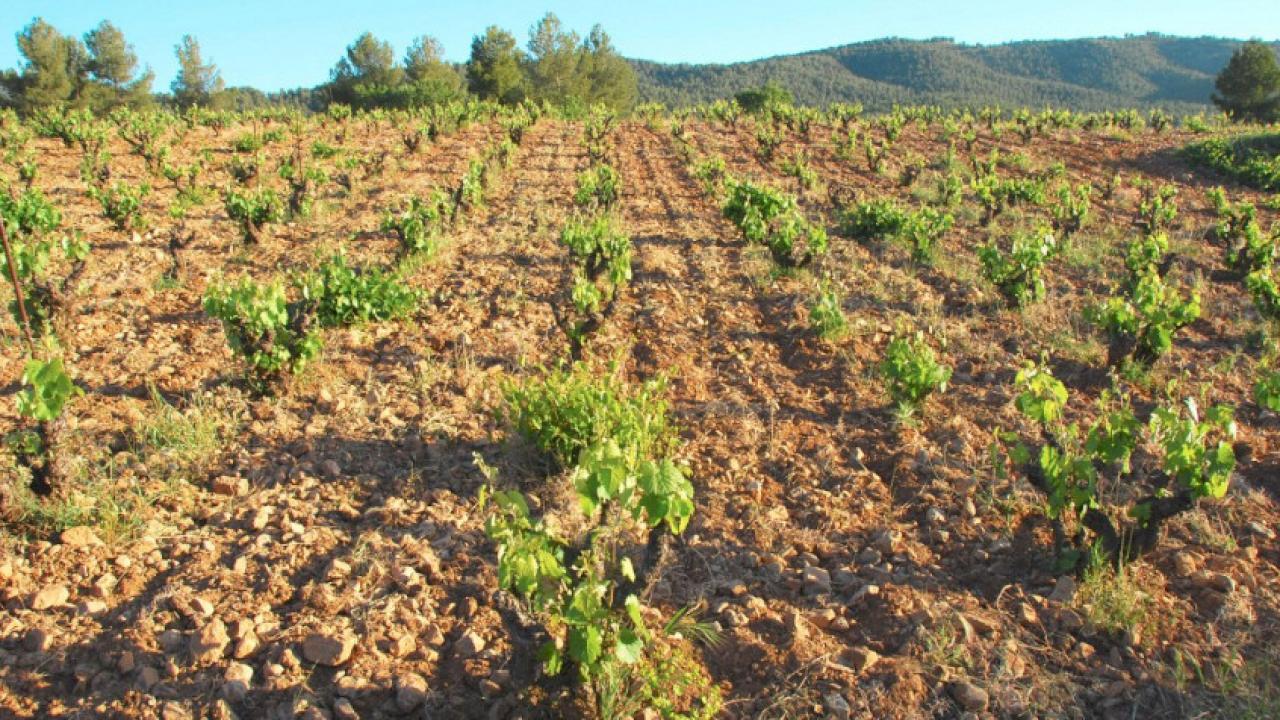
<point>520,412</point>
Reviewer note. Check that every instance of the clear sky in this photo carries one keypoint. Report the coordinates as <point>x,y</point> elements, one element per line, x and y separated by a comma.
<point>273,45</point>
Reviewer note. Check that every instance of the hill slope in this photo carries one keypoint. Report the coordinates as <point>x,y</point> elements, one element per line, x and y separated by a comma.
<point>1087,74</point>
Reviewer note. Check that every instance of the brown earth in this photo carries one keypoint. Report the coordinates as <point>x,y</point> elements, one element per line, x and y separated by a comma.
<point>858,566</point>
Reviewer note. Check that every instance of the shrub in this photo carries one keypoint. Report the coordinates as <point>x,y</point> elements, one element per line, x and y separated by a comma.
<point>46,389</point>
<point>771,218</point>
<point>1266,391</point>
<point>911,373</point>
<point>1158,209</point>
<point>419,225</point>
<point>600,253</point>
<point>273,337</point>
<point>122,204</point>
<point>1141,325</point>
<point>1266,296</point>
<point>1072,210</point>
<point>583,585</point>
<point>570,409</point>
<point>1019,274</point>
<point>1145,256</point>
<point>826,316</point>
<point>799,168</point>
<point>1248,248</point>
<point>598,188</point>
<point>28,219</point>
<point>922,231</point>
<point>1071,467</point>
<point>342,295</point>
<point>254,210</point>
<point>1251,160</point>
<point>872,220</point>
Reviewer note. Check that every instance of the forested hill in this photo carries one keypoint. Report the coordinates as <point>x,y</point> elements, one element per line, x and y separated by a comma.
<point>1088,74</point>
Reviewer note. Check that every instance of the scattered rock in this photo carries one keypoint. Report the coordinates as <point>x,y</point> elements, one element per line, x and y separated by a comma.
<point>330,469</point>
<point>887,541</point>
<point>933,517</point>
<point>837,706</point>
<point>1064,590</point>
<point>411,691</point>
<point>817,581</point>
<point>469,645</point>
<point>79,536</point>
<point>969,696</point>
<point>237,679</point>
<point>1258,528</point>
<point>1184,564</point>
<point>147,678</point>
<point>344,710</point>
<point>230,485</point>
<point>330,649</point>
<point>50,597</point>
<point>208,645</point>
<point>37,640</point>
<point>859,658</point>
<point>245,646</point>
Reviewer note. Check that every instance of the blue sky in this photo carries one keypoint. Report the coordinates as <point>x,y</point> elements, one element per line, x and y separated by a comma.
<point>274,45</point>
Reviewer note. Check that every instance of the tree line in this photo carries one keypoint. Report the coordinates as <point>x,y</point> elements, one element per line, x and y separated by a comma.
<point>100,71</point>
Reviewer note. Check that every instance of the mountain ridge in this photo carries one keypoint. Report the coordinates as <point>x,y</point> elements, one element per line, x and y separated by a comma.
<point>1141,71</point>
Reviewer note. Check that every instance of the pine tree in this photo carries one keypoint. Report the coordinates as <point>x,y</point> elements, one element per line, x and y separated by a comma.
<point>197,83</point>
<point>493,70</point>
<point>1249,86</point>
<point>113,63</point>
<point>610,78</point>
<point>553,62</point>
<point>55,66</point>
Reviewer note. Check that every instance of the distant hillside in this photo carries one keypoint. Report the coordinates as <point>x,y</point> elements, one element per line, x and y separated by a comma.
<point>1088,74</point>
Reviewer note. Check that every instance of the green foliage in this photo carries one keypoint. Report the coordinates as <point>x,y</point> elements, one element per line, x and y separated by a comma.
<point>419,225</point>
<point>342,295</point>
<point>919,230</point>
<point>272,336</point>
<point>711,173</point>
<point>1072,468</point>
<point>798,167</point>
<point>1197,453</point>
<point>1041,397</point>
<point>254,209</point>
<point>598,188</point>
<point>1266,391</point>
<point>1248,88</point>
<point>1146,255</point>
<point>29,218</point>
<point>772,218</point>
<point>46,389</point>
<point>582,588</point>
<point>600,252</point>
<point>568,410</point>
<point>1142,324</point>
<point>1158,209</point>
<point>472,186</point>
<point>912,372</point>
<point>1251,160</point>
<point>1266,296</point>
<point>873,220</point>
<point>122,204</point>
<point>1248,247</point>
<point>764,98</point>
<point>1019,273</point>
<point>826,316</point>
<point>996,193</point>
<point>1072,209</point>
<point>922,231</point>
